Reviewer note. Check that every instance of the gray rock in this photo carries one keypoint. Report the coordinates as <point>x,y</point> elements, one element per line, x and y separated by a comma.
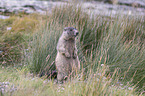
<point>16,6</point>
<point>138,4</point>
<point>6,87</point>
<point>93,8</point>
<point>9,28</point>
<point>104,9</point>
<point>3,17</point>
<point>111,1</point>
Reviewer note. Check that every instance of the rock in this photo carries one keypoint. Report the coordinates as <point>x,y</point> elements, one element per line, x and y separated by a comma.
<point>35,8</point>
<point>6,87</point>
<point>106,9</point>
<point>9,28</point>
<point>17,6</point>
<point>26,6</point>
<point>112,7</point>
<point>3,17</point>
<point>21,9</point>
<point>137,4</point>
<point>111,1</point>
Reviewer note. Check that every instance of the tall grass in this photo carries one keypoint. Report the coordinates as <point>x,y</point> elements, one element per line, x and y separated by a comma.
<point>117,42</point>
<point>42,49</point>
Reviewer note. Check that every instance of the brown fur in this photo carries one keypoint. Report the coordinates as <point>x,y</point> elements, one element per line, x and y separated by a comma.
<point>67,61</point>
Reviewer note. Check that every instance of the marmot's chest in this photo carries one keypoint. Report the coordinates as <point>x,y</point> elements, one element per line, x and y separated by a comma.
<point>70,46</point>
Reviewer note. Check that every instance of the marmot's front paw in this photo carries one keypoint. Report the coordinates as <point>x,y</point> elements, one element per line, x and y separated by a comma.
<point>67,55</point>
<point>74,57</point>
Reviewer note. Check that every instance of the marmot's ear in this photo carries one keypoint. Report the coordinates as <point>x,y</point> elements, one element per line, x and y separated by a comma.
<point>65,29</point>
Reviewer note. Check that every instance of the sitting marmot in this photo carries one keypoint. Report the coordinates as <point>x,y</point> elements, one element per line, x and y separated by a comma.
<point>67,61</point>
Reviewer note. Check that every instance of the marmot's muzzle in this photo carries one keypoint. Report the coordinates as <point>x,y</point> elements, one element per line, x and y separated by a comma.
<point>77,33</point>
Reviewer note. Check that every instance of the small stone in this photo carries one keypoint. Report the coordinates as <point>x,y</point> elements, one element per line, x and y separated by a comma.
<point>129,88</point>
<point>104,78</point>
<point>9,28</point>
<point>1,52</point>
<point>111,1</point>
<point>7,83</point>
<point>45,81</point>
<point>99,74</point>
<point>121,84</point>
<point>102,64</point>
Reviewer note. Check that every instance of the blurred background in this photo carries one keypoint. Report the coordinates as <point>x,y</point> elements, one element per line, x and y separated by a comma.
<point>102,7</point>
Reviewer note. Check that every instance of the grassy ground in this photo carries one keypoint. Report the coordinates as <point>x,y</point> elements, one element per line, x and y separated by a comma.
<point>25,84</point>
<point>111,51</point>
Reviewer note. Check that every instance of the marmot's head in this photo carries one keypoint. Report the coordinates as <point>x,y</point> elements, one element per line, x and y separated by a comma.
<point>70,32</point>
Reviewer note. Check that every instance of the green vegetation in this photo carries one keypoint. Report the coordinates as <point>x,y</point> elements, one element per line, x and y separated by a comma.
<point>24,84</point>
<point>111,51</point>
<point>14,40</point>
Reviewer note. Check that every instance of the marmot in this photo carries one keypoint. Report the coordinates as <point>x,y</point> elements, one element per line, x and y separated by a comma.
<point>67,61</point>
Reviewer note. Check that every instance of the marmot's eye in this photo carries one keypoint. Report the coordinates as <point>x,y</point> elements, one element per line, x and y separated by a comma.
<point>65,29</point>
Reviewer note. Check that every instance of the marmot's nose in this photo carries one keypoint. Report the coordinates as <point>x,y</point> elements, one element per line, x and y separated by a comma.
<point>77,33</point>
